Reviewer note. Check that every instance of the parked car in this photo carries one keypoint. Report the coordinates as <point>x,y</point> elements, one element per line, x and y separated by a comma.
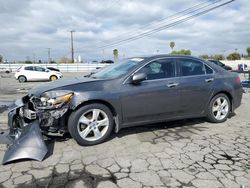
<point>36,73</point>
<point>107,61</point>
<point>137,91</point>
<point>226,67</point>
<point>6,70</point>
<point>53,69</point>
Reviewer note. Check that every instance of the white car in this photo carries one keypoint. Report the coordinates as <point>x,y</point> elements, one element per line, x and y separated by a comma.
<point>6,70</point>
<point>36,73</point>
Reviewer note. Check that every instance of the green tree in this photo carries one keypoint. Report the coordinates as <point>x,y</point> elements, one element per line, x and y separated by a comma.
<point>116,54</point>
<point>172,44</point>
<point>204,56</point>
<point>182,52</point>
<point>234,56</point>
<point>28,62</point>
<point>1,58</point>
<point>248,51</point>
<point>219,57</point>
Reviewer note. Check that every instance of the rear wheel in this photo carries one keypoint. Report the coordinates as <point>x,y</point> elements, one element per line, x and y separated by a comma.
<point>91,124</point>
<point>53,77</point>
<point>219,108</point>
<point>22,79</point>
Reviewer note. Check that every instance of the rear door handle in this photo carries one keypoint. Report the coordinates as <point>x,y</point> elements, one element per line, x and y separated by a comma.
<point>170,85</point>
<point>209,79</point>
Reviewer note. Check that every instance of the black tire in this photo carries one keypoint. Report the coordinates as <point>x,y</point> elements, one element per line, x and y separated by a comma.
<point>22,79</point>
<point>53,78</point>
<point>211,116</point>
<point>73,125</point>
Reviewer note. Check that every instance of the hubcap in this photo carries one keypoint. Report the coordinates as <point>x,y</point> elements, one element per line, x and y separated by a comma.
<point>22,79</point>
<point>53,78</point>
<point>220,108</point>
<point>93,125</point>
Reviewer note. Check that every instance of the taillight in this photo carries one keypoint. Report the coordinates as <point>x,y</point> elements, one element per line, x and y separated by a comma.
<point>238,81</point>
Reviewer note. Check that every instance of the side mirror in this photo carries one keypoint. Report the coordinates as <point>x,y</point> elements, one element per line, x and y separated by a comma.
<point>138,77</point>
<point>46,70</point>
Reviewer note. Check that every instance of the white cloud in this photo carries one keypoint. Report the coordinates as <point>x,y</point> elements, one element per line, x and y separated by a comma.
<point>29,27</point>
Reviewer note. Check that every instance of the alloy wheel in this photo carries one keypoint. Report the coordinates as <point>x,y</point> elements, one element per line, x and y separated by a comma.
<point>93,125</point>
<point>220,108</point>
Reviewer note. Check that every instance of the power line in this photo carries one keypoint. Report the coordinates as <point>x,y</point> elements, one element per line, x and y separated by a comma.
<point>152,31</point>
<point>162,21</point>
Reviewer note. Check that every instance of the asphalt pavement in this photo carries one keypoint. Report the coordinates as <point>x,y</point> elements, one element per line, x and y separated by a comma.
<point>185,153</point>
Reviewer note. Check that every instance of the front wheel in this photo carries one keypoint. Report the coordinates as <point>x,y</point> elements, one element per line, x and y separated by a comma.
<point>53,78</point>
<point>91,124</point>
<point>219,108</point>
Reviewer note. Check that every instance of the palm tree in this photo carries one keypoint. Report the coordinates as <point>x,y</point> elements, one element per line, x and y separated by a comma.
<point>116,54</point>
<point>172,44</point>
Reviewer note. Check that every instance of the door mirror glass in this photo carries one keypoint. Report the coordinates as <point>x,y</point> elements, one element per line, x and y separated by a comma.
<point>138,77</point>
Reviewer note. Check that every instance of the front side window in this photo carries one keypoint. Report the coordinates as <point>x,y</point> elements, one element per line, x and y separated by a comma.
<point>28,68</point>
<point>191,67</point>
<point>159,69</point>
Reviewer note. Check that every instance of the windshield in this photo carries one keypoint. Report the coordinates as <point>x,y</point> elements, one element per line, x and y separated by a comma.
<point>117,69</point>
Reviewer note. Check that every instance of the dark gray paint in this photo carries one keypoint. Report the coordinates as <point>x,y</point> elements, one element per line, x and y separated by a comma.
<point>29,145</point>
<point>132,104</point>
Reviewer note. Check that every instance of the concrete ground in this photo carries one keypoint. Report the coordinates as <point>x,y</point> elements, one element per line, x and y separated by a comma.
<point>187,153</point>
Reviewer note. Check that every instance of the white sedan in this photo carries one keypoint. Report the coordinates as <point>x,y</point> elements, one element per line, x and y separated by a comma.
<point>36,73</point>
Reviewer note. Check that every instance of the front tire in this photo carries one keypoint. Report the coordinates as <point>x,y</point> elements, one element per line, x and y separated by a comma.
<point>53,78</point>
<point>219,108</point>
<point>91,124</point>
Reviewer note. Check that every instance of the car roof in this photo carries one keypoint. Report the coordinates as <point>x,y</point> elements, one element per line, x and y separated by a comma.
<point>165,55</point>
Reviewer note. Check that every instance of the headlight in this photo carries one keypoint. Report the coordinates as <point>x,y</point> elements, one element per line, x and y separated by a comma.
<point>53,99</point>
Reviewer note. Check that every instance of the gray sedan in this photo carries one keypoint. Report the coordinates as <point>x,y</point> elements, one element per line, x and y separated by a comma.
<point>135,91</point>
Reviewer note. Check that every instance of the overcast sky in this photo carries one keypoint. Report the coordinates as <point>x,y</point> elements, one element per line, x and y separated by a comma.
<point>29,27</point>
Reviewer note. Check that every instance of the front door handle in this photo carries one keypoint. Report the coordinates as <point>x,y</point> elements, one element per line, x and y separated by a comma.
<point>170,85</point>
<point>209,79</point>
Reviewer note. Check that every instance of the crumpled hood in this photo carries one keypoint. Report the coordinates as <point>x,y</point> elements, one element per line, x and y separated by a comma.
<point>38,90</point>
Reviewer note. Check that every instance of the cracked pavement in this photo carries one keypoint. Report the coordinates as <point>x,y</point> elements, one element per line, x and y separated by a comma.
<point>185,153</point>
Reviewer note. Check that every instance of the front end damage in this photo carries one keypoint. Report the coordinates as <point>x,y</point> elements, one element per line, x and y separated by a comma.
<point>30,121</point>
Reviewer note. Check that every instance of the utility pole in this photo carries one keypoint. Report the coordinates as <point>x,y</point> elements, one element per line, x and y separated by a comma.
<point>48,56</point>
<point>72,45</point>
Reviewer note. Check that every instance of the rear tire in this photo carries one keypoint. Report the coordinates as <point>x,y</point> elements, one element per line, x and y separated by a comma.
<point>53,78</point>
<point>22,79</point>
<point>219,108</point>
<point>91,124</point>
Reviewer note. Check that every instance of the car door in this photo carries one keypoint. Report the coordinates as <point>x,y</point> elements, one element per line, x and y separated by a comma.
<point>196,85</point>
<point>156,98</point>
<point>29,73</point>
<point>41,73</point>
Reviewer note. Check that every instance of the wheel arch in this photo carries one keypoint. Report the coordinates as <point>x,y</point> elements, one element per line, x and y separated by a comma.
<point>103,102</point>
<point>228,94</point>
<point>22,76</point>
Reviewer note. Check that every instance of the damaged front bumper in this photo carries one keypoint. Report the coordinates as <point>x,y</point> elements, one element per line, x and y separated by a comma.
<point>24,140</point>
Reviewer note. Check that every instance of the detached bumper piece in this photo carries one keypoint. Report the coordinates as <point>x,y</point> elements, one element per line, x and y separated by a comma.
<point>29,145</point>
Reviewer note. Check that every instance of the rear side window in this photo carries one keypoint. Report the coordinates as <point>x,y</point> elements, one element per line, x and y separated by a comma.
<point>208,70</point>
<point>40,69</point>
<point>191,67</point>
<point>28,68</point>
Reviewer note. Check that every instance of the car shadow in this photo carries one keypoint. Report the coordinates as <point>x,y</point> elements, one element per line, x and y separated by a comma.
<point>178,129</point>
